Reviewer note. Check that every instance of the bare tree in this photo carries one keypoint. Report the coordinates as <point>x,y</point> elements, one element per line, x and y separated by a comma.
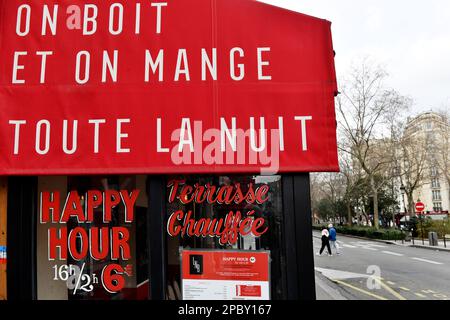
<point>315,194</point>
<point>364,110</point>
<point>352,180</point>
<point>412,164</point>
<point>328,191</point>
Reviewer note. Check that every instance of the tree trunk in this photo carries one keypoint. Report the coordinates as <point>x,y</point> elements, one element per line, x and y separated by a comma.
<point>367,218</point>
<point>349,215</point>
<point>411,208</point>
<point>376,217</point>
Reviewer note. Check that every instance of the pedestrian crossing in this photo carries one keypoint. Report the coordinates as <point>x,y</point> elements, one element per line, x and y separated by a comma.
<point>376,246</point>
<point>393,253</point>
<point>371,246</point>
<point>364,245</point>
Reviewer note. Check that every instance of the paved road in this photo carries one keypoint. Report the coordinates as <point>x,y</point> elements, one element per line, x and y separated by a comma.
<point>368,270</point>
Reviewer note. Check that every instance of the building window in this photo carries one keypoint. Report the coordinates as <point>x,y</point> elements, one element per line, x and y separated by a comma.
<point>437,195</point>
<point>435,183</point>
<point>434,171</point>
<point>437,206</point>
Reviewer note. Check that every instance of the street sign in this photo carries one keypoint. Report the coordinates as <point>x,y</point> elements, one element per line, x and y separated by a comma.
<point>420,207</point>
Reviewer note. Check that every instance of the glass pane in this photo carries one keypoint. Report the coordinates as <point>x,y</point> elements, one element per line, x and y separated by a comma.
<point>91,238</point>
<point>208,212</point>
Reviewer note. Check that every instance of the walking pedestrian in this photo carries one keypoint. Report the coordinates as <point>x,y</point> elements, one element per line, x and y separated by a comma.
<point>333,238</point>
<point>325,242</point>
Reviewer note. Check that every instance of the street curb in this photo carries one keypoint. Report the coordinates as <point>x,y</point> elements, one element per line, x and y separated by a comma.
<point>430,248</point>
<point>328,287</point>
<point>368,239</point>
<point>362,238</point>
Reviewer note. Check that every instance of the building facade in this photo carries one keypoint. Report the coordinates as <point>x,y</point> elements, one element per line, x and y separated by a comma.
<point>431,131</point>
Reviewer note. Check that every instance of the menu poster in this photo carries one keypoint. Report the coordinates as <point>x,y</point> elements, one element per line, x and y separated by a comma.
<point>225,275</point>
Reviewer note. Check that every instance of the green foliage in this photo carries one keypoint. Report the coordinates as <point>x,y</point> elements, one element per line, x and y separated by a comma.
<point>412,225</point>
<point>325,209</point>
<point>368,232</point>
<point>328,209</point>
<point>441,227</point>
<point>335,208</point>
<point>428,225</point>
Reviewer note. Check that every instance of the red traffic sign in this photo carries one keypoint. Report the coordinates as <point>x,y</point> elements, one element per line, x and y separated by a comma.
<point>420,206</point>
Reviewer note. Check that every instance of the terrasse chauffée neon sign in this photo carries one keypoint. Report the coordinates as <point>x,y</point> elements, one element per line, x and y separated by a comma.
<point>227,228</point>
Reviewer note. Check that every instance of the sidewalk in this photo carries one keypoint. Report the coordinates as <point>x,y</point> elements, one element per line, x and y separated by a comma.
<point>424,245</point>
<point>417,242</point>
<point>326,290</point>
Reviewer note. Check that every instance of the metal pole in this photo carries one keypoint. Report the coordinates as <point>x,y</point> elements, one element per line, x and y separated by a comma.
<point>156,220</point>
<point>304,244</point>
<point>3,234</point>
<point>421,228</point>
<point>445,244</point>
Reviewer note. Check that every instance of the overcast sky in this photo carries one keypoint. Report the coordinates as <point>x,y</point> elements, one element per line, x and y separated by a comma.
<point>411,39</point>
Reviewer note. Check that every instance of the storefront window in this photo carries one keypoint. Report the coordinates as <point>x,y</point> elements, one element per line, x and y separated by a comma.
<point>224,238</point>
<point>92,238</point>
<point>210,217</point>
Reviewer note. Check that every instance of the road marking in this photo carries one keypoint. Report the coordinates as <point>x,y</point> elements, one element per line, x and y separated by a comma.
<point>391,283</point>
<point>367,248</point>
<point>427,261</point>
<point>393,253</point>
<point>404,289</point>
<point>428,291</point>
<point>340,275</point>
<point>392,291</point>
<point>361,290</point>
<point>420,295</point>
<point>377,246</point>
<point>348,246</point>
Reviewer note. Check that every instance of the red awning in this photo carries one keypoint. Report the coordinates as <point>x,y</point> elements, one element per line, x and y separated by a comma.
<point>164,87</point>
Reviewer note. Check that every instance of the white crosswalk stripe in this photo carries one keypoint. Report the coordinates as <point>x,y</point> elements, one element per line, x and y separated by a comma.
<point>427,261</point>
<point>394,253</point>
<point>369,248</point>
<point>377,246</point>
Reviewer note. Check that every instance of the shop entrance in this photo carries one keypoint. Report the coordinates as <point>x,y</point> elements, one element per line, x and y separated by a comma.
<point>220,214</point>
<point>156,237</point>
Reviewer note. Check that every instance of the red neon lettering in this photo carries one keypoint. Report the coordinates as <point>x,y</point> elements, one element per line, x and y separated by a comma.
<point>120,237</point>
<point>50,206</point>
<point>57,238</point>
<point>112,199</point>
<point>94,199</point>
